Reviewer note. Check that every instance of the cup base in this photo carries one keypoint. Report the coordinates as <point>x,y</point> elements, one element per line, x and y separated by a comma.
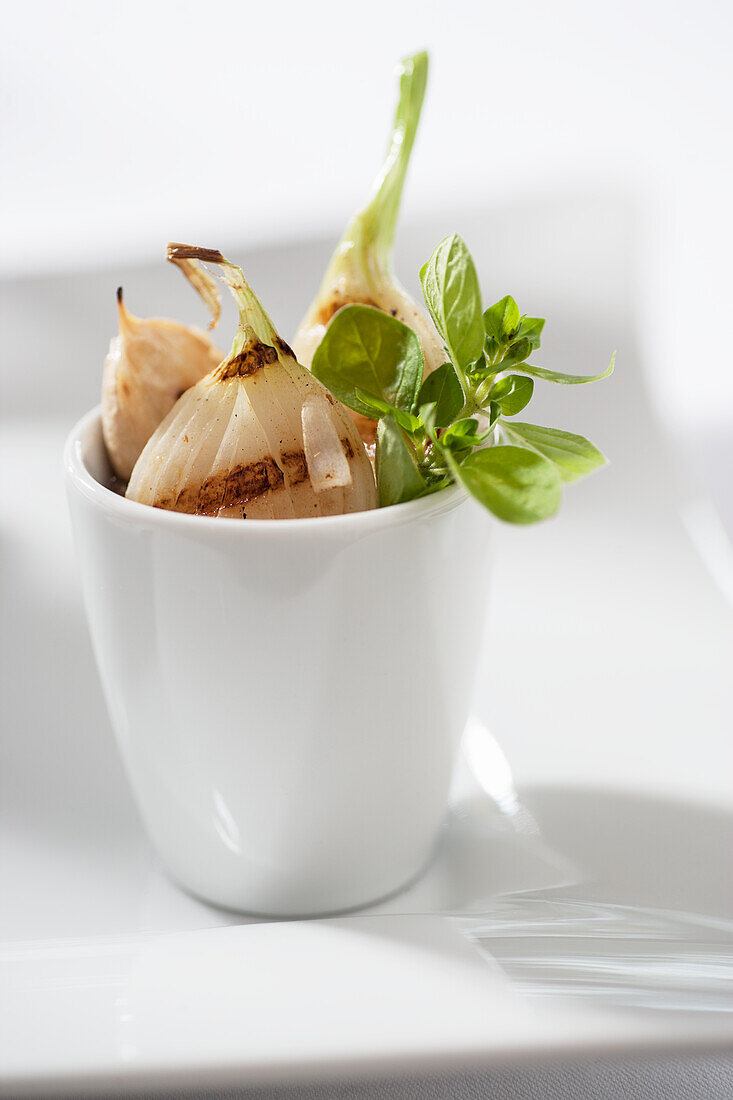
<point>306,914</point>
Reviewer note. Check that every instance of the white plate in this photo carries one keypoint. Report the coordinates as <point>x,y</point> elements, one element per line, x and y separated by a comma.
<point>579,941</point>
<point>599,899</point>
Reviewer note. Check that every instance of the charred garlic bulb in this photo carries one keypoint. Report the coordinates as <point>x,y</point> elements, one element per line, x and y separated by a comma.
<point>259,437</point>
<point>149,365</point>
<point>361,267</point>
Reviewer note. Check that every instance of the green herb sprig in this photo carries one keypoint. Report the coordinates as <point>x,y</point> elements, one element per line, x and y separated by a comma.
<point>455,426</point>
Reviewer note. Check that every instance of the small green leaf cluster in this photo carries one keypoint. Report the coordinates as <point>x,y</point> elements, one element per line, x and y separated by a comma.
<point>455,426</point>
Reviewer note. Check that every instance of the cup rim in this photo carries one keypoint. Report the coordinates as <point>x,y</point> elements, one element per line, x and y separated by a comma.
<point>120,508</point>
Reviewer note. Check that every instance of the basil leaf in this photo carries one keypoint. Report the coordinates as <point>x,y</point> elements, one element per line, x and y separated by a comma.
<point>427,416</point>
<point>502,319</point>
<point>568,379</point>
<point>484,388</point>
<point>377,408</point>
<point>463,433</point>
<point>382,408</point>
<point>444,390</point>
<point>530,328</point>
<point>517,485</point>
<point>512,393</point>
<point>492,349</point>
<point>517,352</point>
<point>364,348</point>
<point>451,291</point>
<point>398,478</point>
<point>574,455</point>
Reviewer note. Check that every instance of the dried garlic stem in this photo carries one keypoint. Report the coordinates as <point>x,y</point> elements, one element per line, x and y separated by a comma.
<point>202,283</point>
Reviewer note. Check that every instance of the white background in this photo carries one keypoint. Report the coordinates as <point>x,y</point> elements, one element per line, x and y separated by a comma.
<point>124,125</point>
<point>584,150</point>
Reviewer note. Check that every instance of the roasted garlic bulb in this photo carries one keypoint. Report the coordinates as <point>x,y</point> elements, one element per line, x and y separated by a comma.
<point>259,437</point>
<point>361,267</point>
<point>149,365</point>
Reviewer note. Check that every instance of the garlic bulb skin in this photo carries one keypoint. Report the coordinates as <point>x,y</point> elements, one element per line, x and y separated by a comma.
<point>390,298</point>
<point>360,270</point>
<point>149,365</point>
<point>351,287</point>
<point>258,437</point>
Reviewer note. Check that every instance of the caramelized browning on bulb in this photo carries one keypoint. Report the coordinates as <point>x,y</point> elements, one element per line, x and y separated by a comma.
<point>248,362</point>
<point>258,437</point>
<point>233,489</point>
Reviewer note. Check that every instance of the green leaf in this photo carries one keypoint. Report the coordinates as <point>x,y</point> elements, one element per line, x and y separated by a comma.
<point>463,433</point>
<point>442,388</point>
<point>517,485</point>
<point>573,455</point>
<point>377,408</point>
<point>450,287</point>
<point>512,393</point>
<point>530,328</point>
<point>381,408</point>
<point>398,478</point>
<point>366,349</point>
<point>568,379</point>
<point>427,416</point>
<point>517,352</point>
<point>482,391</point>
<point>502,319</point>
<point>492,349</point>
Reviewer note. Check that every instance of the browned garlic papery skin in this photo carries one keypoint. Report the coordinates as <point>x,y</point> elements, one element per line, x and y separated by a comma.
<point>257,438</point>
<point>149,365</point>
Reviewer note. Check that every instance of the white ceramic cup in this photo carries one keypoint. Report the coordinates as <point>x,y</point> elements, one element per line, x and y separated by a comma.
<point>288,695</point>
